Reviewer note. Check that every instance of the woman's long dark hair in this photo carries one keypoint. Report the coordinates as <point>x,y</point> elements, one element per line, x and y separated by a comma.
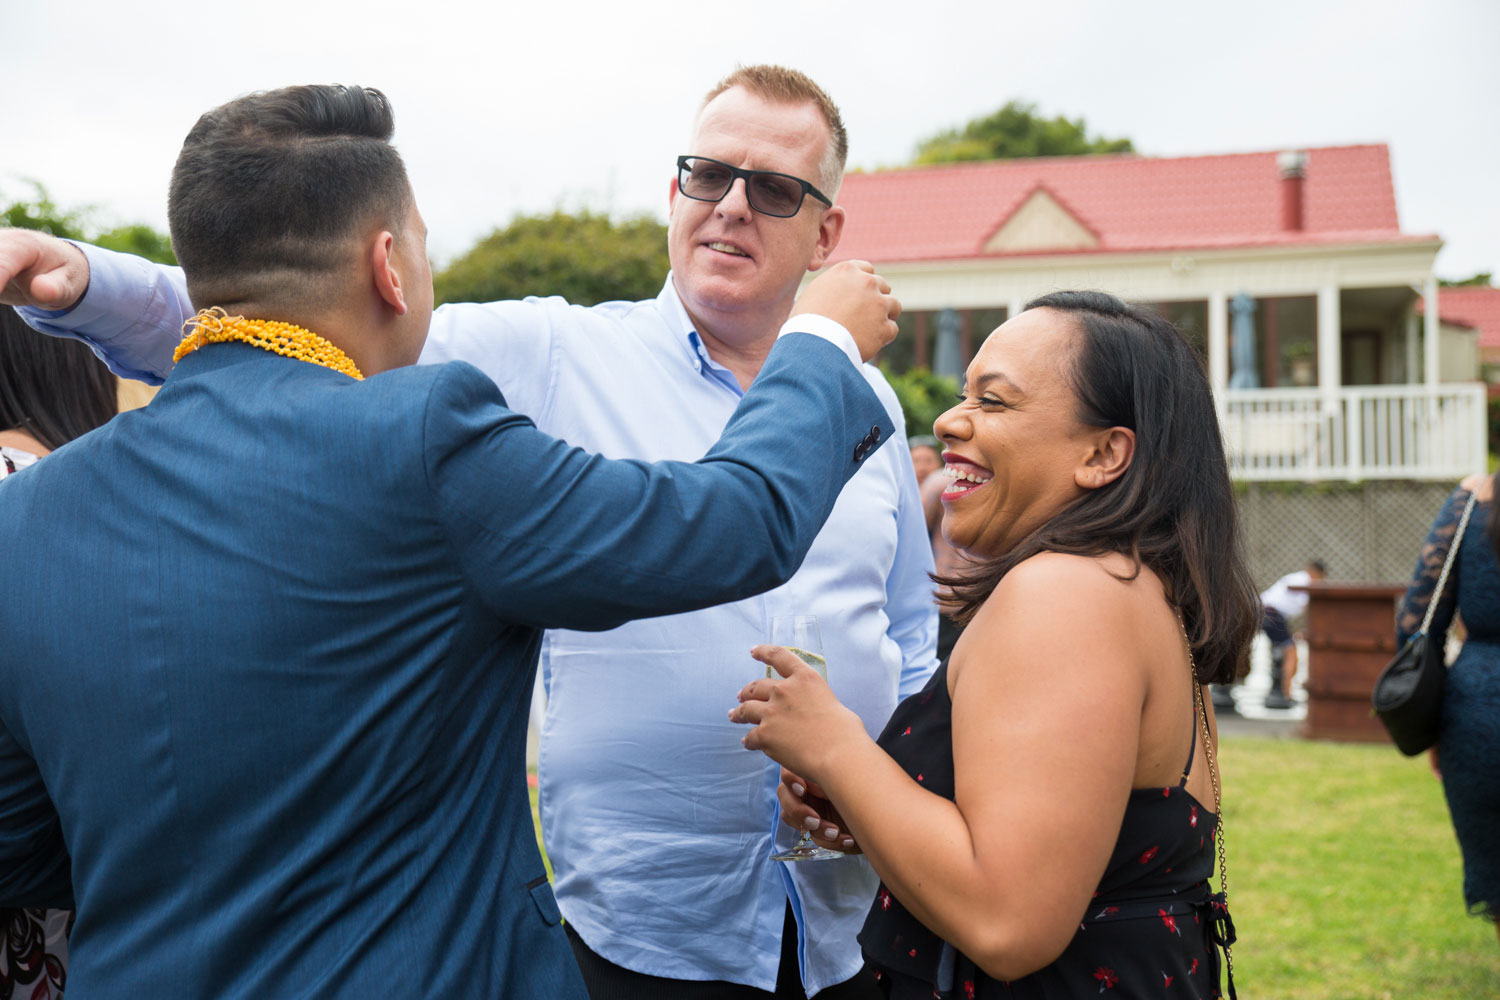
<point>1173,509</point>
<point>51,388</point>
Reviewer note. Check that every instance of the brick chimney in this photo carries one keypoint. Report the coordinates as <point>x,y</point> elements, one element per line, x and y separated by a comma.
<point>1292,166</point>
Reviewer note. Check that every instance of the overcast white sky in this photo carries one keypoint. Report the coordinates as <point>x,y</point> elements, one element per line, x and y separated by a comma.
<point>504,108</point>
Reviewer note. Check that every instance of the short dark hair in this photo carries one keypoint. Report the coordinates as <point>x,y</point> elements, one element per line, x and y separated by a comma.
<point>268,189</point>
<point>1173,509</point>
<point>52,388</point>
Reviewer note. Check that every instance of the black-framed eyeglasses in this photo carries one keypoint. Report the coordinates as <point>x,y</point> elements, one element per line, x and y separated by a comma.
<point>769,193</point>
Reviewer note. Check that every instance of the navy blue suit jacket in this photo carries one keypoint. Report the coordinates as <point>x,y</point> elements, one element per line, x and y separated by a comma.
<point>267,648</point>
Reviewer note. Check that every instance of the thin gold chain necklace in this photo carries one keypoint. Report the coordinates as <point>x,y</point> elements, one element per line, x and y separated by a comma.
<point>215,326</point>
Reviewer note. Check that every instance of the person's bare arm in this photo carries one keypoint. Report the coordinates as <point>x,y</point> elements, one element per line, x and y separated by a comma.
<point>1046,723</point>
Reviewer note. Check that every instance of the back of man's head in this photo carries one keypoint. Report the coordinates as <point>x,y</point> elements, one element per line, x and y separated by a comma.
<point>270,190</point>
<point>780,85</point>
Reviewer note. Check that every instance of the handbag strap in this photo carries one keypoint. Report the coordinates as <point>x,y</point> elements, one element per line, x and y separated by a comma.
<point>1458,537</point>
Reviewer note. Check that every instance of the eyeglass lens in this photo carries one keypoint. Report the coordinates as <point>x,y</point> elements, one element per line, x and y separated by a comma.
<point>769,194</point>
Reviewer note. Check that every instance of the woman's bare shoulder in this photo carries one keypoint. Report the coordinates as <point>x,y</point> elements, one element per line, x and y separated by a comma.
<point>1052,585</point>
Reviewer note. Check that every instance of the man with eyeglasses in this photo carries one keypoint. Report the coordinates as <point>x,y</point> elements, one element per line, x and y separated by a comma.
<point>659,825</point>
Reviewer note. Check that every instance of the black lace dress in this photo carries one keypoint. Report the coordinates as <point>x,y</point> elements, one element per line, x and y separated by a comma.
<point>1150,931</point>
<point>1469,744</point>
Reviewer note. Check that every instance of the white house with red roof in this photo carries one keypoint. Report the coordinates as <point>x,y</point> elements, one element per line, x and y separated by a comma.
<point>1473,310</point>
<point>1296,258</point>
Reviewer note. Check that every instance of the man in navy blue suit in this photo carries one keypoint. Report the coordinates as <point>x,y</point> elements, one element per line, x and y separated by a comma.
<point>267,645</point>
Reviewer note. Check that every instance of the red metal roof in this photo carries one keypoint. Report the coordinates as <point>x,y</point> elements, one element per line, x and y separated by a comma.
<point>1477,307</point>
<point>1130,202</point>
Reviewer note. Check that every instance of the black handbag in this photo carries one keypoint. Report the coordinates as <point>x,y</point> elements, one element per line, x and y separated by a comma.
<point>1408,695</point>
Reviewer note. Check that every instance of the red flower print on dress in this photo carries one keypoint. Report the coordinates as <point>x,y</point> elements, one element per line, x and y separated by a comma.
<point>1193,817</point>
<point>908,731</point>
<point>1146,858</point>
<point>1107,978</point>
<point>1169,921</point>
<point>969,989</point>
<point>1166,980</point>
<point>912,953</point>
<point>1166,793</point>
<point>1193,969</point>
<point>919,777</point>
<point>885,899</point>
<point>1108,911</point>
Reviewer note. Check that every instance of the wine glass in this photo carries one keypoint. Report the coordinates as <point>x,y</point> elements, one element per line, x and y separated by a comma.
<point>799,634</point>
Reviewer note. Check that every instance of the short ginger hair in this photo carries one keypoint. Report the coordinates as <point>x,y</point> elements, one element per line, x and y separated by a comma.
<point>781,85</point>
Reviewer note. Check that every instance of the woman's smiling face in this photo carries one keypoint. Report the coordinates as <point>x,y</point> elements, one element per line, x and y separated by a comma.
<point>1016,450</point>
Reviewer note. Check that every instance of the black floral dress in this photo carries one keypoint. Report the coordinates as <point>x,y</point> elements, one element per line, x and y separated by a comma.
<point>1151,930</point>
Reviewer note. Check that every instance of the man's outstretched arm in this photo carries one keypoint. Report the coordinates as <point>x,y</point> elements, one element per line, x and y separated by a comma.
<point>128,309</point>
<point>578,541</point>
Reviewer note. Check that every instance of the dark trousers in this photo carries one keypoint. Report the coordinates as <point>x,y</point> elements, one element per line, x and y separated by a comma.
<point>607,981</point>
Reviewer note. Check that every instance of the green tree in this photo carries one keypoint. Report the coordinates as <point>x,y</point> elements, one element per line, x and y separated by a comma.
<point>1482,280</point>
<point>42,213</point>
<point>1015,131</point>
<point>585,258</point>
<point>923,396</point>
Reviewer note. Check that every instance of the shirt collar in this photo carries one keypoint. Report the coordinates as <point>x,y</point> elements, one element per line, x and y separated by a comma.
<point>685,334</point>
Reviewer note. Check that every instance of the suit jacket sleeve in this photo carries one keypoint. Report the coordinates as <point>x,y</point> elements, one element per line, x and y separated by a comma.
<point>34,866</point>
<point>554,537</point>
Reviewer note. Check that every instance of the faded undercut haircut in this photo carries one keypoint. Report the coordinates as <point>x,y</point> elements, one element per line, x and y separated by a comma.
<point>269,189</point>
<point>780,85</point>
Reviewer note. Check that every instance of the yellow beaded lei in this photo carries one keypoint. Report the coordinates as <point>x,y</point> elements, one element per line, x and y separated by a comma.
<point>215,326</point>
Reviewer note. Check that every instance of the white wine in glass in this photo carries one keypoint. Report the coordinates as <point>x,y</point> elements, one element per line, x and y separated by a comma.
<point>799,634</point>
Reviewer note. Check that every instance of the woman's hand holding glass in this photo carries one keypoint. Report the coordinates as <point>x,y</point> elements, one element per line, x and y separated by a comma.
<point>797,720</point>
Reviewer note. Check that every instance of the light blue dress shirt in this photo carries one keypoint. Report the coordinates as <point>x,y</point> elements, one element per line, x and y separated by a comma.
<point>659,825</point>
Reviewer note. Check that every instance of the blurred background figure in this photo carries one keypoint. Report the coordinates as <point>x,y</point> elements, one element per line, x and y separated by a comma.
<point>947,561</point>
<point>1467,756</point>
<point>926,456</point>
<point>1281,605</point>
<point>51,391</point>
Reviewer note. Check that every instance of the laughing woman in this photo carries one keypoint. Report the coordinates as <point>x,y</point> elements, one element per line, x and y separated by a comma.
<point>1044,815</point>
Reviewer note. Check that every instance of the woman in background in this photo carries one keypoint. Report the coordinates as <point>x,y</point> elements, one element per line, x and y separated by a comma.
<point>1467,756</point>
<point>51,391</point>
<point>1044,814</point>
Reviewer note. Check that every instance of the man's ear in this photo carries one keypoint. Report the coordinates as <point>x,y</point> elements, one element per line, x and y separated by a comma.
<point>387,278</point>
<point>830,228</point>
<point>1110,454</point>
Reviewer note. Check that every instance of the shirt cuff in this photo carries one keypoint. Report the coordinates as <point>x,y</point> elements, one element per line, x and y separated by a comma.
<point>830,330</point>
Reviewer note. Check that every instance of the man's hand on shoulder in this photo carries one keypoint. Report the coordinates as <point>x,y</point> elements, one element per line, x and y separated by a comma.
<point>40,270</point>
<point>852,294</point>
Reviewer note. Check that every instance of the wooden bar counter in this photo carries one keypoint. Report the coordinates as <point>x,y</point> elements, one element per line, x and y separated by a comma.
<point>1351,636</point>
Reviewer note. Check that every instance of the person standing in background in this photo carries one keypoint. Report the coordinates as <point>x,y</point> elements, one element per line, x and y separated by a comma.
<point>1281,604</point>
<point>1467,756</point>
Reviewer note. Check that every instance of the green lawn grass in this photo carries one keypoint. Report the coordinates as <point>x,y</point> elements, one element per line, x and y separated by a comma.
<point>1344,877</point>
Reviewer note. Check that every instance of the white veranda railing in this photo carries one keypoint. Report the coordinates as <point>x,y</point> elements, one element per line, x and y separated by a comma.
<point>1362,432</point>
